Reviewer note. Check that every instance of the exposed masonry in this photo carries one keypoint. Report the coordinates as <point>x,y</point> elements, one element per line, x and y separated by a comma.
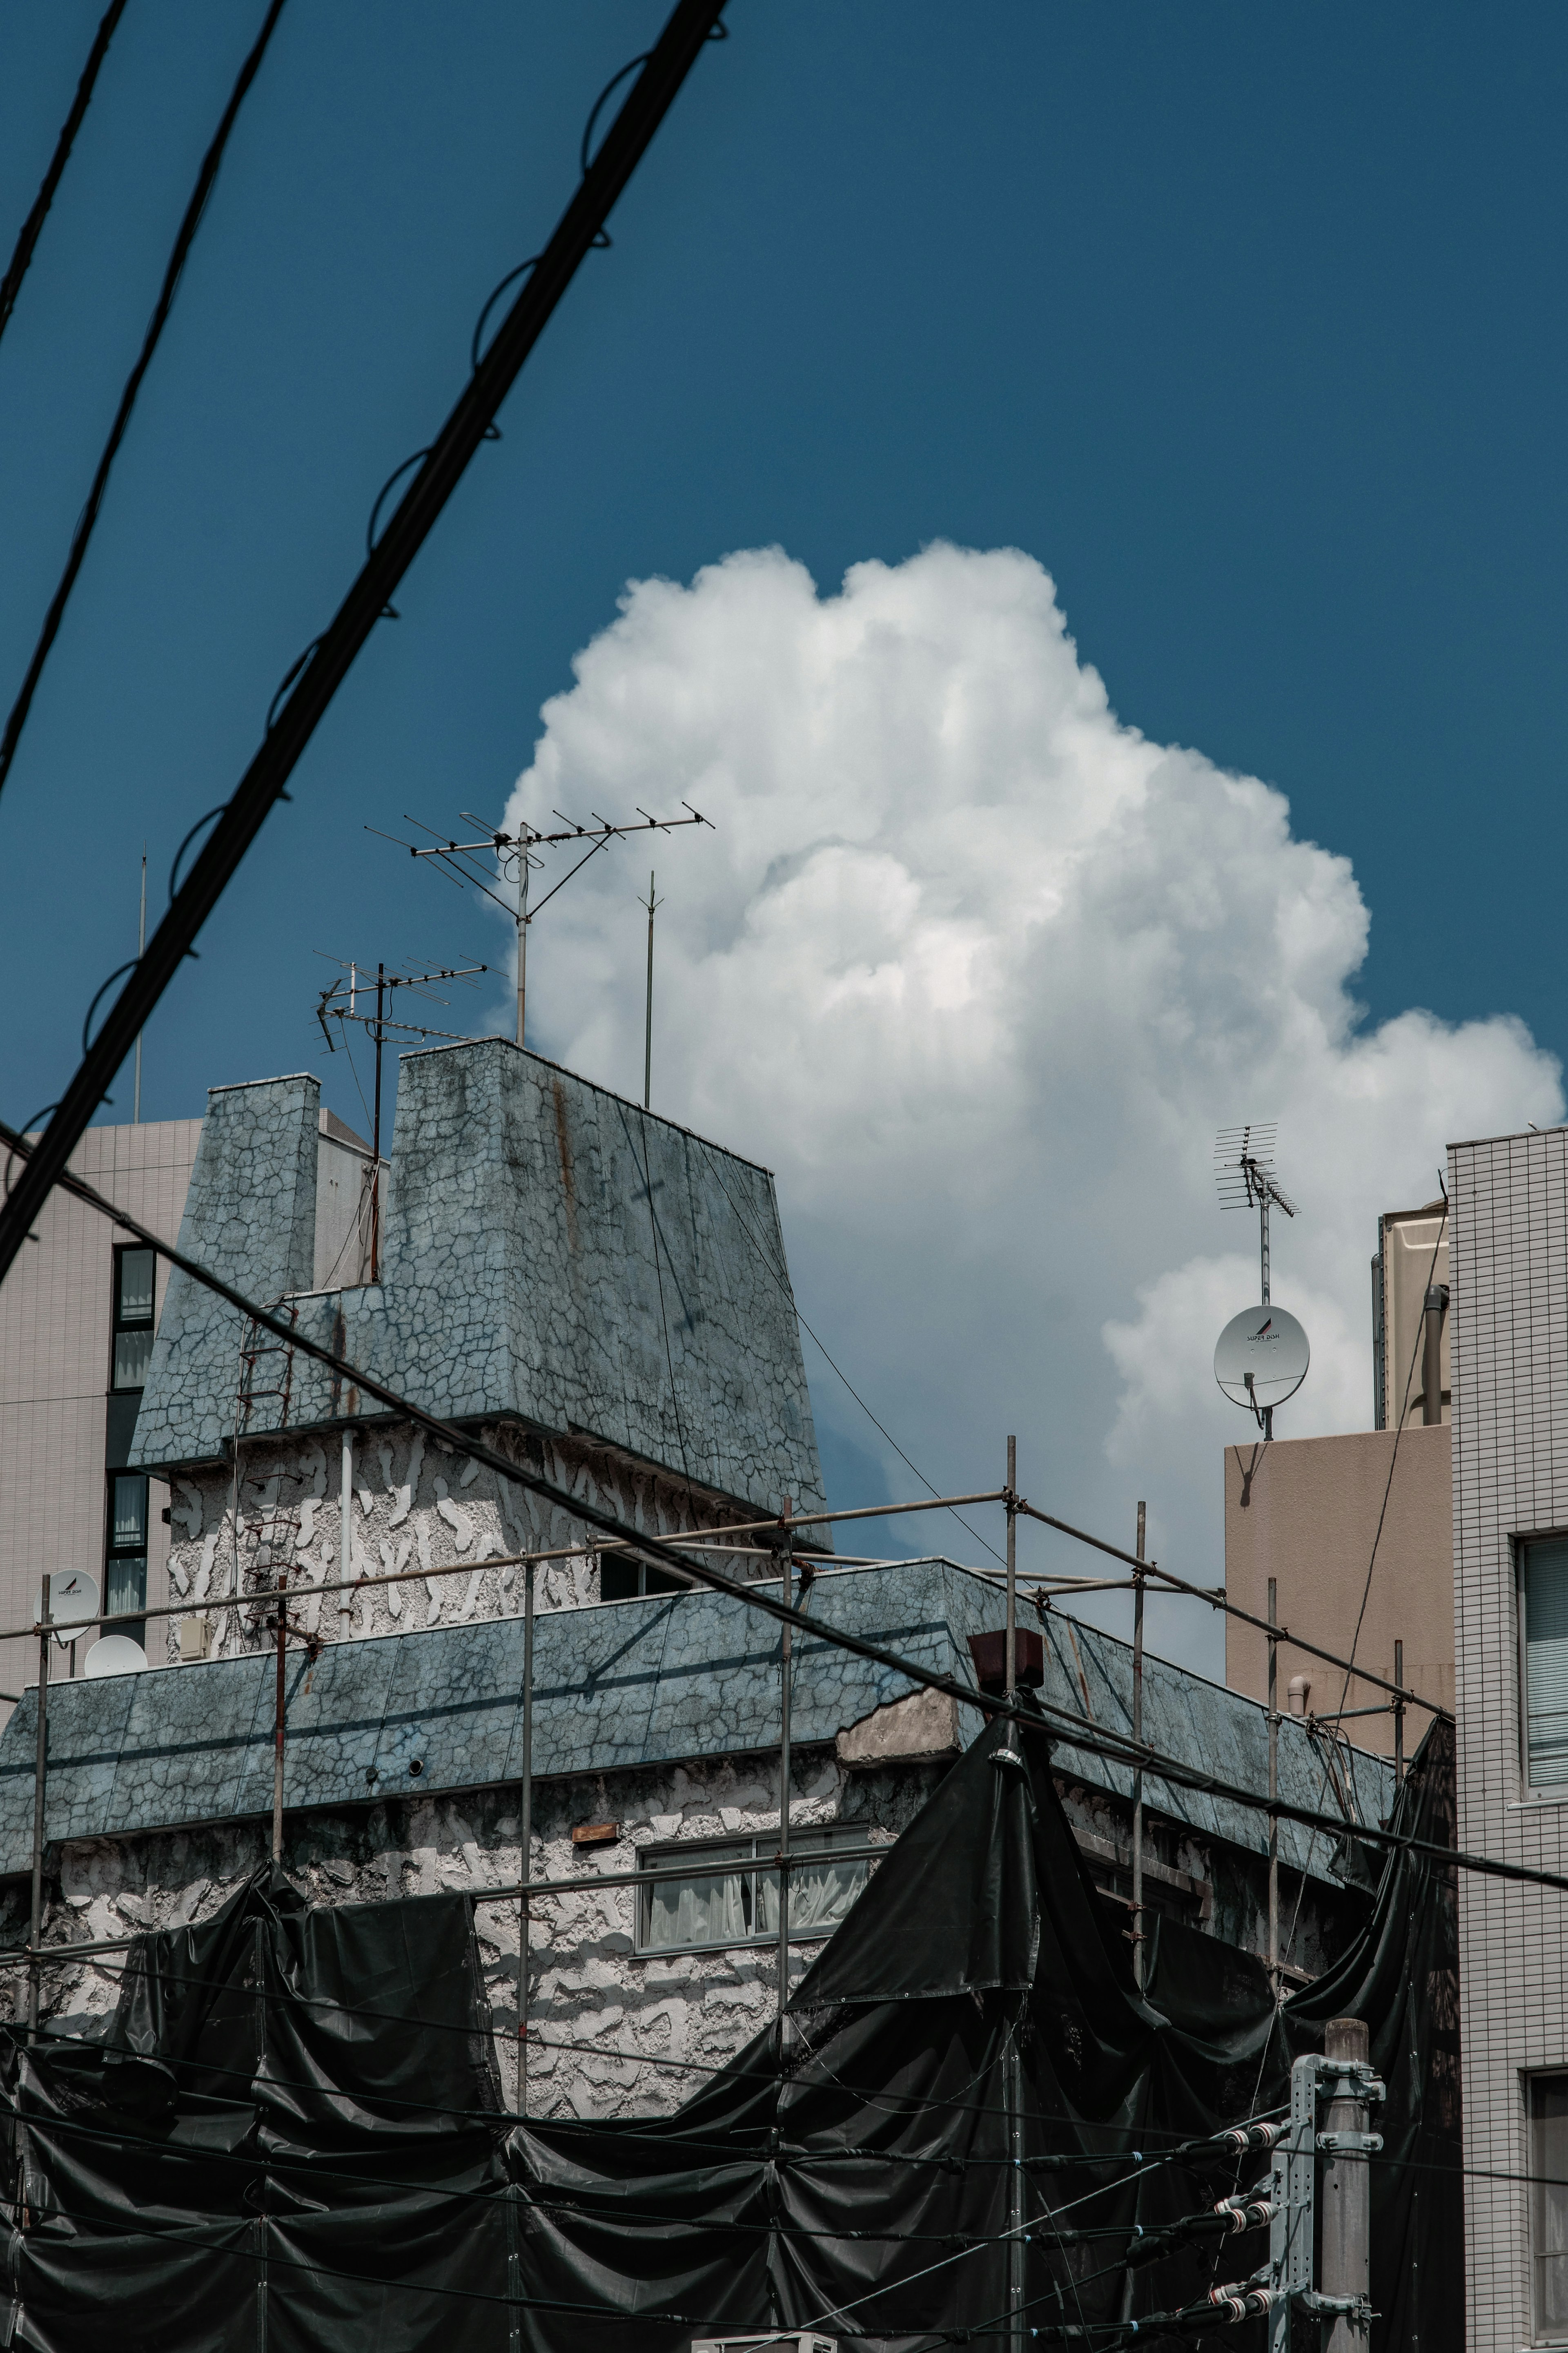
<point>1509,1333</point>
<point>613,2032</point>
<point>414,1504</point>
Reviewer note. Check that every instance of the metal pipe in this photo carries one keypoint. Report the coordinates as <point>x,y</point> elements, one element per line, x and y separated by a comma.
<point>1012,2089</point>
<point>375,1137</point>
<point>648,1025</point>
<point>785,1658</point>
<point>1012,1685</point>
<point>1138,1775</point>
<point>141,951</point>
<point>1273,1791</point>
<point>521,936</point>
<point>345,1534</point>
<point>525,1841</point>
<point>1346,2197</point>
<point>1216,1597</point>
<point>278,1720</point>
<point>40,1775</point>
<point>1398,1717</point>
<point>1432,1312</point>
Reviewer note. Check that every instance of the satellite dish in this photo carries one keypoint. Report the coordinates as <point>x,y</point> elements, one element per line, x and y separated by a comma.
<point>70,1596</point>
<point>115,1655</point>
<point>1262,1358</point>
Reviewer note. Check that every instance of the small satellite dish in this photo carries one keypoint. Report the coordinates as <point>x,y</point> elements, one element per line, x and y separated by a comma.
<point>1262,1358</point>
<point>115,1655</point>
<point>70,1596</point>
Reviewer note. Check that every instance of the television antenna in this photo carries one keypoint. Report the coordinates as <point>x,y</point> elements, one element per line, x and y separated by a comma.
<point>514,854</point>
<point>1262,1355</point>
<point>341,1003</point>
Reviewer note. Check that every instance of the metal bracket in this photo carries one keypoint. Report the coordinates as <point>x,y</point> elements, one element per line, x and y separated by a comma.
<point>1359,2307</point>
<point>1350,2143</point>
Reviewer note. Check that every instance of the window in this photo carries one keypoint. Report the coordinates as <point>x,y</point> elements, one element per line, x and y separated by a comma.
<point>1547,2096</point>
<point>133,1318</point>
<point>625,1580</point>
<point>1543,1660</point>
<point>125,1553</point>
<point>687,1915</point>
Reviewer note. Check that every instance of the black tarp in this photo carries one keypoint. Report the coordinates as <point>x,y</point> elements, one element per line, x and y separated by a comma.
<point>291,2137</point>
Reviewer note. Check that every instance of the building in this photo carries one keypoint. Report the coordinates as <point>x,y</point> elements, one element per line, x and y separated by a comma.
<point>602,1295</point>
<point>1355,1531</point>
<point>1508,1320</point>
<point>77,1320</point>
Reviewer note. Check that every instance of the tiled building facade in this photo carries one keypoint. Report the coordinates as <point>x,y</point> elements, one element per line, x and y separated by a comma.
<point>1510,1338</point>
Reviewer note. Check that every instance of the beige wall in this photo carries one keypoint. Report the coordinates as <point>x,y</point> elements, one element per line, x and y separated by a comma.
<point>1304,1512</point>
<point>56,1317</point>
<point>1414,1246</point>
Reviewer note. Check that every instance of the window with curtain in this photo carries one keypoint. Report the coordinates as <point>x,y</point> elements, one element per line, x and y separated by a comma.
<point>1543,1645</point>
<point>133,1271</point>
<point>125,1552</point>
<point>1547,2096</point>
<point>742,1906</point>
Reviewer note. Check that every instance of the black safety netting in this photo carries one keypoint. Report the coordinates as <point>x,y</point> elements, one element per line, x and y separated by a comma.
<point>969,2130</point>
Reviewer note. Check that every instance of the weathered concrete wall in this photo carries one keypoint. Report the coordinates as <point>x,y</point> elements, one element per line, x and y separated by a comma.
<point>552,1254</point>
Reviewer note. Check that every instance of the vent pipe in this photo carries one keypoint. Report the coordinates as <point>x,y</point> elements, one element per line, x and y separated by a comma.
<point>1436,1307</point>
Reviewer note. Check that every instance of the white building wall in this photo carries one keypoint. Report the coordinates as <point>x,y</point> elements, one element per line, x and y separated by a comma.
<point>1509,1335</point>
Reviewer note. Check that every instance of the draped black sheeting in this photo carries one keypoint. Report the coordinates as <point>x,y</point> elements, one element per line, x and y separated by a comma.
<point>292,2138</point>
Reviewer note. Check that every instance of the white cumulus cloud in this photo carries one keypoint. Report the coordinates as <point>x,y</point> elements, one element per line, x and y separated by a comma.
<point>979,971</point>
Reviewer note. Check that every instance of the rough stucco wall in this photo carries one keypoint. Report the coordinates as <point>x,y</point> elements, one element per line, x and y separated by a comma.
<point>415,1504</point>
<point>613,2032</point>
<point>552,1253</point>
<point>1305,1511</point>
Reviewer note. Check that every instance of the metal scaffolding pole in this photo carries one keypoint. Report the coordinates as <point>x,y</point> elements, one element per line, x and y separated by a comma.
<point>1273,1790</point>
<point>40,1773</point>
<point>785,1658</point>
<point>1138,1584</point>
<point>525,1838</point>
<point>1398,1718</point>
<point>280,1719</point>
<point>1011,1569</point>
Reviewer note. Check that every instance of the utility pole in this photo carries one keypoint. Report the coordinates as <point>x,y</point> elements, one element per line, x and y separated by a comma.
<point>647,1023</point>
<point>1138,1584</point>
<point>1346,2191</point>
<point>141,951</point>
<point>525,864</point>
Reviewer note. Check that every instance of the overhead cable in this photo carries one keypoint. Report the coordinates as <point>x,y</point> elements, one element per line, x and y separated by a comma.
<point>28,238</point>
<point>205,180</point>
<point>265,780</point>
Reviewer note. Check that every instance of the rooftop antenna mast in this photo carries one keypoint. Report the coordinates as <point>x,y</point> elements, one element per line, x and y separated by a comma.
<point>340,1003</point>
<point>1245,1180</point>
<point>514,855</point>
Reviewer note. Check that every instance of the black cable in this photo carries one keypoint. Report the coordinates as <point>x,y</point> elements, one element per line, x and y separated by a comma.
<point>11,284</point>
<point>205,179</point>
<point>647,103</point>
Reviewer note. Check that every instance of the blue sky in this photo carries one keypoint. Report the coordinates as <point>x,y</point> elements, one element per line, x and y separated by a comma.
<point>1246,323</point>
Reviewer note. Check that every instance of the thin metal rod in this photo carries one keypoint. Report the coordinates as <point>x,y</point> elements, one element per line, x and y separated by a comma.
<point>1012,1685</point>
<point>526,1839</point>
<point>1398,1716</point>
<point>785,1656</point>
<point>648,1023</point>
<point>522,945</point>
<point>375,1134</point>
<point>141,951</point>
<point>1273,1790</point>
<point>278,1721</point>
<point>1216,1597</point>
<point>40,1778</point>
<point>345,1533</point>
<point>1138,1584</point>
<point>1012,2093</point>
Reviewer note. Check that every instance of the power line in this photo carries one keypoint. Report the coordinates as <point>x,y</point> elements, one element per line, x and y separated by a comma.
<point>321,670</point>
<point>205,180</point>
<point>28,238</point>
